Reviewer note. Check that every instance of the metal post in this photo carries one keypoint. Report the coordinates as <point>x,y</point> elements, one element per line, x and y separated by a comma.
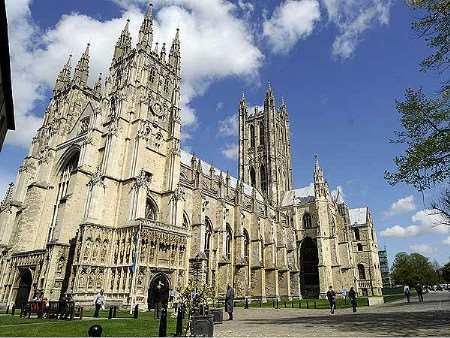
<point>110,314</point>
<point>163,323</point>
<point>179,332</point>
<point>315,305</point>
<point>114,311</point>
<point>7,309</point>
<point>246,302</point>
<point>136,311</point>
<point>13,310</point>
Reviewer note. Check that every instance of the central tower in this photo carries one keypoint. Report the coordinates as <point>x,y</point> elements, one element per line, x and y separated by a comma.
<point>264,148</point>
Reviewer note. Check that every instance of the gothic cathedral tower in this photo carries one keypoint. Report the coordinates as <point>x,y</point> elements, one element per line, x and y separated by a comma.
<point>264,148</point>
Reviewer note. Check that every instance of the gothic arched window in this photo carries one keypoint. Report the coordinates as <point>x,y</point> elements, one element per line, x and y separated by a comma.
<point>307,222</point>
<point>166,86</point>
<point>263,175</point>
<point>185,220</point>
<point>151,210</point>
<point>252,136</point>
<point>152,75</point>
<point>360,247</point>
<point>207,248</point>
<point>65,175</point>
<point>229,240</point>
<point>261,134</point>
<point>246,245</point>
<point>357,236</point>
<point>252,177</point>
<point>361,272</point>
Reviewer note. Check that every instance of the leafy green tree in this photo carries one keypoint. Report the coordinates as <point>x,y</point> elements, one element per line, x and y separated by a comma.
<point>412,269</point>
<point>446,272</point>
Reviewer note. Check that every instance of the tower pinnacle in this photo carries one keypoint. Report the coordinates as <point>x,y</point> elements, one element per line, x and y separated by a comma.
<point>64,75</point>
<point>123,44</point>
<point>81,73</point>
<point>146,30</point>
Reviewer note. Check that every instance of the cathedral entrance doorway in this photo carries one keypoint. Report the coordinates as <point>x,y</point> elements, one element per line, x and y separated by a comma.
<point>158,292</point>
<point>309,270</point>
<point>26,279</point>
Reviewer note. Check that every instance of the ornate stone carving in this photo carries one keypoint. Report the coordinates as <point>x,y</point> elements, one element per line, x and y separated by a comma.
<point>96,178</point>
<point>143,180</point>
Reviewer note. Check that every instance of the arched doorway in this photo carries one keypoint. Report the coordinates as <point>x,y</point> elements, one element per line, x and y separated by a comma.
<point>158,292</point>
<point>309,270</point>
<point>26,279</point>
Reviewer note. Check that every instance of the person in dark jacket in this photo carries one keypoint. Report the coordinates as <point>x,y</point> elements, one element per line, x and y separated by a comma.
<point>331,295</point>
<point>229,300</point>
<point>352,296</point>
<point>419,291</point>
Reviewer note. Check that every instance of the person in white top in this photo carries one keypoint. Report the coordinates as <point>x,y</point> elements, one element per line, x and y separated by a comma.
<point>407,292</point>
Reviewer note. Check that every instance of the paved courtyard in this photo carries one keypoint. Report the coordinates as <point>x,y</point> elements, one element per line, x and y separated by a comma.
<point>432,318</point>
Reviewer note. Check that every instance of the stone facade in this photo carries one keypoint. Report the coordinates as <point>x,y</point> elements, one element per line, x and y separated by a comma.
<point>106,199</point>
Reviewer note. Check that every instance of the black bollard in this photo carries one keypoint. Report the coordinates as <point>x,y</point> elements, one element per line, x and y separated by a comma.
<point>13,310</point>
<point>110,314</point>
<point>7,309</point>
<point>136,312</point>
<point>273,303</point>
<point>246,302</point>
<point>278,305</point>
<point>95,331</point>
<point>285,303</point>
<point>260,302</point>
<point>307,305</point>
<point>315,305</point>
<point>299,303</point>
<point>163,323</point>
<point>114,311</point>
<point>292,303</point>
<point>179,332</point>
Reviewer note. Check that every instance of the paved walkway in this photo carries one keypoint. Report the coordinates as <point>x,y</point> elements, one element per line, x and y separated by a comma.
<point>431,318</point>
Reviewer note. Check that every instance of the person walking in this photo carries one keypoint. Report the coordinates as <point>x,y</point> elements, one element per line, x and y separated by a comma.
<point>352,296</point>
<point>229,302</point>
<point>407,292</point>
<point>419,291</point>
<point>331,295</point>
<point>99,302</point>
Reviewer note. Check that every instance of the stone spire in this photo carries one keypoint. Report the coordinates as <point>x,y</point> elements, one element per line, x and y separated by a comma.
<point>320,185</point>
<point>162,56</point>
<point>269,101</point>
<point>146,30</point>
<point>81,73</point>
<point>175,55</point>
<point>64,75</point>
<point>98,86</point>
<point>123,44</point>
<point>243,105</point>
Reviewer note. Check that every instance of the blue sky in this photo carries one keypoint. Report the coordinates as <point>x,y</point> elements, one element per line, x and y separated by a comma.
<point>340,65</point>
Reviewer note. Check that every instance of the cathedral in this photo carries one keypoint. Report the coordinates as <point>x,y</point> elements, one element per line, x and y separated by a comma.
<point>107,199</point>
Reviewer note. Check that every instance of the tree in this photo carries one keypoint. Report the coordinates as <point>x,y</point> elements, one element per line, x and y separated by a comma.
<point>446,272</point>
<point>412,269</point>
<point>426,121</point>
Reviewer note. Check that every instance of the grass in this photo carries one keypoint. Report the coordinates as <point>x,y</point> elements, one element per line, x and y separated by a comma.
<point>125,326</point>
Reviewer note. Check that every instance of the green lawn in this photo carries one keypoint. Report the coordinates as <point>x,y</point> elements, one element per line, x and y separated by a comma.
<point>125,326</point>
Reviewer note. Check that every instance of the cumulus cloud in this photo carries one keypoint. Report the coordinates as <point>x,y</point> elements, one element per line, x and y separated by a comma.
<point>353,18</point>
<point>212,37</point>
<point>446,241</point>
<point>423,249</point>
<point>424,222</point>
<point>231,151</point>
<point>229,126</point>
<point>403,205</point>
<point>291,21</point>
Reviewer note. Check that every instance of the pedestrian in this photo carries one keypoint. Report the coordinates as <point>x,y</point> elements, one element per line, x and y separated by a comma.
<point>407,292</point>
<point>419,291</point>
<point>229,302</point>
<point>352,296</point>
<point>331,295</point>
<point>99,302</point>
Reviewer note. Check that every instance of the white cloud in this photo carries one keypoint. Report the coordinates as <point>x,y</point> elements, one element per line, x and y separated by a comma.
<point>401,206</point>
<point>425,221</point>
<point>423,249</point>
<point>291,21</point>
<point>229,126</point>
<point>215,44</point>
<point>231,151</point>
<point>446,241</point>
<point>353,18</point>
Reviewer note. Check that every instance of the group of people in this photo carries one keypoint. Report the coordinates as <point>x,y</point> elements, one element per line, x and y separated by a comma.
<point>331,296</point>
<point>419,291</point>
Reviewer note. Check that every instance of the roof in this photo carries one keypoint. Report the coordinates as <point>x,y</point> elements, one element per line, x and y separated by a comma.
<point>297,196</point>
<point>186,159</point>
<point>358,216</point>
